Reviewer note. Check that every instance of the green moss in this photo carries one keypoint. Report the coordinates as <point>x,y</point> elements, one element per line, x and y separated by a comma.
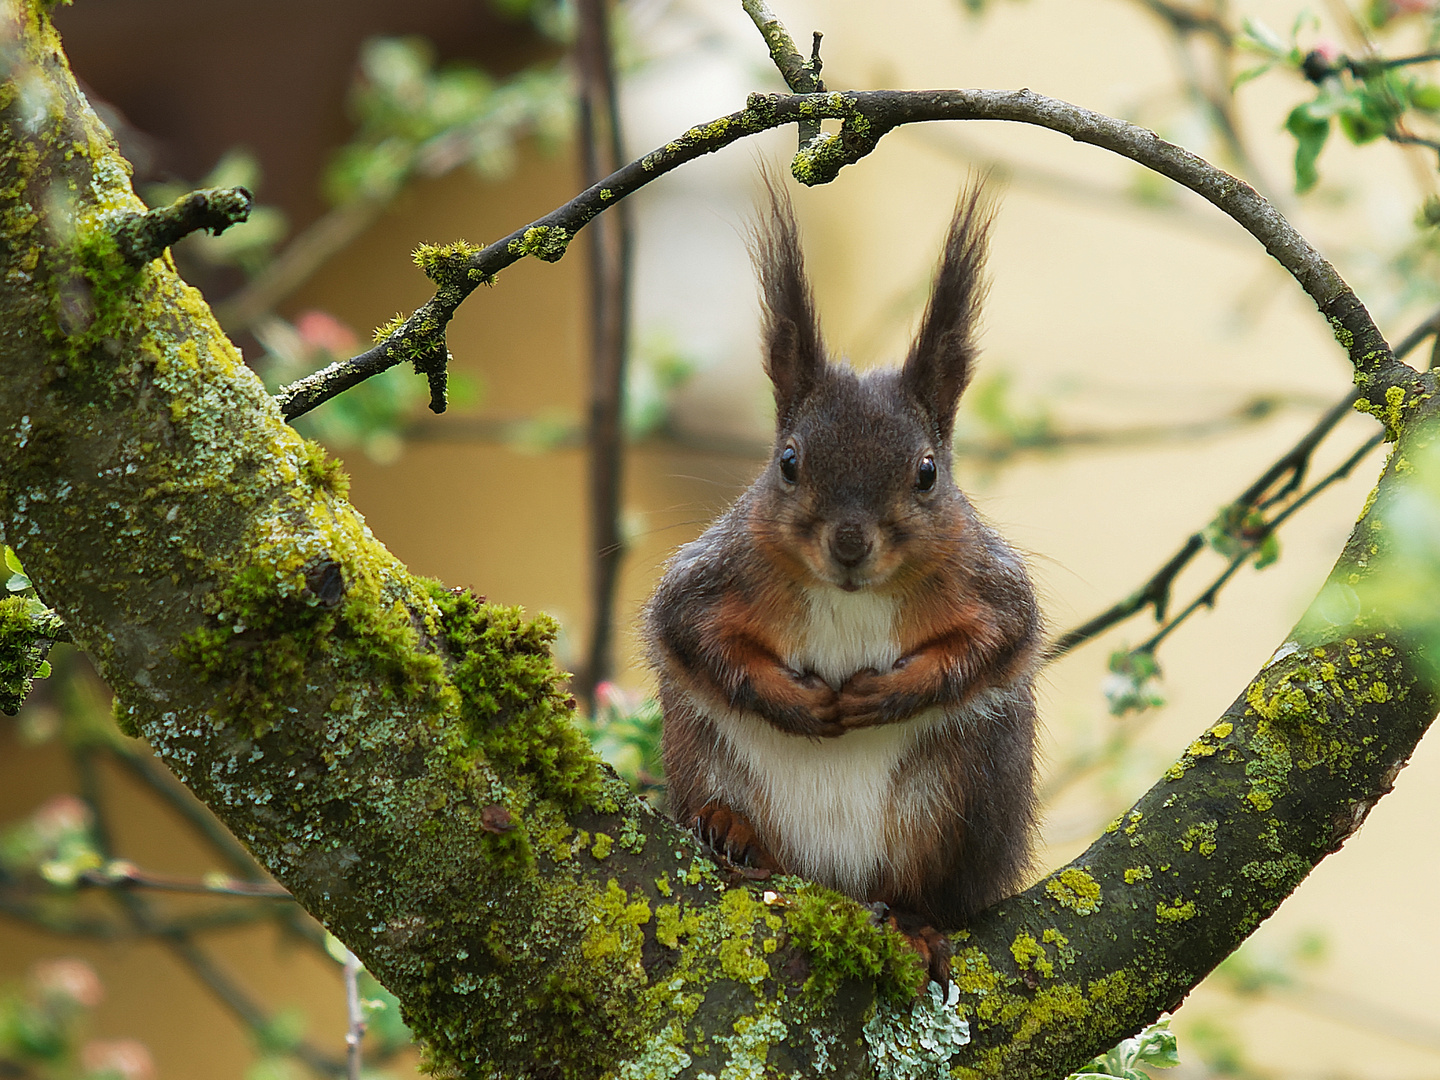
<point>1392,413</point>
<point>513,710</point>
<point>601,848</point>
<point>1281,874</point>
<point>1138,873</point>
<point>386,330</point>
<point>843,942</point>
<point>1075,889</point>
<point>546,242</point>
<point>324,471</point>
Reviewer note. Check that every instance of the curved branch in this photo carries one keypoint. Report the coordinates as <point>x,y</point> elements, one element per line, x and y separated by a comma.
<point>866,116</point>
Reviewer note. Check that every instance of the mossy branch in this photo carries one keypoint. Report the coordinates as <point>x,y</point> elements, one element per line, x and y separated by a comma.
<point>145,236</point>
<point>866,117</point>
<point>800,75</point>
<point>401,755</point>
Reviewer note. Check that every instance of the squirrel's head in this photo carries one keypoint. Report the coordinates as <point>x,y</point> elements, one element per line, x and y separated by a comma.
<point>859,489</point>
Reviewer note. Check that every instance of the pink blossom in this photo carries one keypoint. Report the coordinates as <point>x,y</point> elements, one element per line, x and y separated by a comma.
<point>1328,49</point>
<point>60,815</point>
<point>68,979</point>
<point>321,330</point>
<point>124,1058</point>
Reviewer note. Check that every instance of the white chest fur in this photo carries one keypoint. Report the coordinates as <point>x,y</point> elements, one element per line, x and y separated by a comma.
<point>845,632</point>
<point>824,804</point>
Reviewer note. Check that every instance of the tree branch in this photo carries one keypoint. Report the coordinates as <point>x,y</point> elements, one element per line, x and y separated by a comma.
<point>865,117</point>
<point>145,236</point>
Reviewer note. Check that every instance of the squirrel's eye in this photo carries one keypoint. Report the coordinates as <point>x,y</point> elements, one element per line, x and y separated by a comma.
<point>925,475</point>
<point>789,464</point>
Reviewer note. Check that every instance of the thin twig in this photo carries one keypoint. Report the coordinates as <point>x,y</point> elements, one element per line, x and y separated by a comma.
<point>355,1015</point>
<point>800,76</point>
<point>610,259</point>
<point>118,873</point>
<point>1187,21</point>
<point>1208,597</point>
<point>1289,467</point>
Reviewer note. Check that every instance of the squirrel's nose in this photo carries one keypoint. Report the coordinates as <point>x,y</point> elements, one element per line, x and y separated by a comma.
<point>849,545</point>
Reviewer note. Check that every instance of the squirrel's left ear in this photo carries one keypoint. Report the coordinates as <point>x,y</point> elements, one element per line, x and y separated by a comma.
<point>794,350</point>
<point>941,359</point>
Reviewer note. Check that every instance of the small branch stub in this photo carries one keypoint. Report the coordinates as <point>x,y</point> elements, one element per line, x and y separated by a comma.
<point>143,237</point>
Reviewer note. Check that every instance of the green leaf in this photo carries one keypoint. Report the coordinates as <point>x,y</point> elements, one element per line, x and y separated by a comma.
<point>1310,134</point>
<point>1267,552</point>
<point>1250,73</point>
<point>1256,36</point>
<point>43,671</point>
<point>1158,1047</point>
<point>13,561</point>
<point>17,583</point>
<point>1423,96</point>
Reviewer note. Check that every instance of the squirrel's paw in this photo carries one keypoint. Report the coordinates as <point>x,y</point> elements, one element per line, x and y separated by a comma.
<point>731,837</point>
<point>861,698</point>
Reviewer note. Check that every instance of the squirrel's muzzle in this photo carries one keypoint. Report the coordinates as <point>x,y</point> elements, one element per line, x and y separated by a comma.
<point>849,545</point>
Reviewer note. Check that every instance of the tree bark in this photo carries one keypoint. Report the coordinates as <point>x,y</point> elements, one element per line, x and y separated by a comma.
<point>400,756</point>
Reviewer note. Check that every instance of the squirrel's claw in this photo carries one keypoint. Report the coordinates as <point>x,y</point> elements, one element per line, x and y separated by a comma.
<point>730,836</point>
<point>933,946</point>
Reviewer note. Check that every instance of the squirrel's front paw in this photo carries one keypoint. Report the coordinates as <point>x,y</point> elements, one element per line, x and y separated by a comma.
<point>820,702</point>
<point>860,699</point>
<point>729,834</point>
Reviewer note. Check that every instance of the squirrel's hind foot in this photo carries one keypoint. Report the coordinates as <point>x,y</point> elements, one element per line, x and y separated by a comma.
<point>933,946</point>
<point>731,838</point>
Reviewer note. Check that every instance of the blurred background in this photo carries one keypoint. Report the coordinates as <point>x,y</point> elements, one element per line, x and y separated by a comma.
<point>1144,365</point>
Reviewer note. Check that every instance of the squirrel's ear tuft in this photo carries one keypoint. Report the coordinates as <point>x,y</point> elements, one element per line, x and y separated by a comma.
<point>942,357</point>
<point>794,353</point>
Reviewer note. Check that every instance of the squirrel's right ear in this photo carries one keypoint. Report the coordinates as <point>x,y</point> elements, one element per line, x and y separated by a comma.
<point>942,356</point>
<point>794,354</point>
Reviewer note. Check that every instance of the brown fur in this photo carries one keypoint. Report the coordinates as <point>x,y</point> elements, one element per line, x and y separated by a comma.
<point>857,532</point>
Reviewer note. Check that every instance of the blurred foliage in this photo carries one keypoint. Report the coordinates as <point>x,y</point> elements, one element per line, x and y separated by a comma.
<point>43,1024</point>
<point>625,730</point>
<point>1154,1047</point>
<point>57,842</point>
<point>658,369</point>
<point>1241,530</point>
<point>249,245</point>
<point>1405,583</point>
<point>1133,684</point>
<point>991,401</point>
<point>1367,99</point>
<point>414,118</point>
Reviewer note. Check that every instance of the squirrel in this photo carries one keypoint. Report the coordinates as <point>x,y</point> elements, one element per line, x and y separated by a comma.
<point>846,656</point>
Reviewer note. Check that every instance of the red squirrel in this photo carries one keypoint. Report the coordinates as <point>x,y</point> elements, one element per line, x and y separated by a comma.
<point>846,656</point>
